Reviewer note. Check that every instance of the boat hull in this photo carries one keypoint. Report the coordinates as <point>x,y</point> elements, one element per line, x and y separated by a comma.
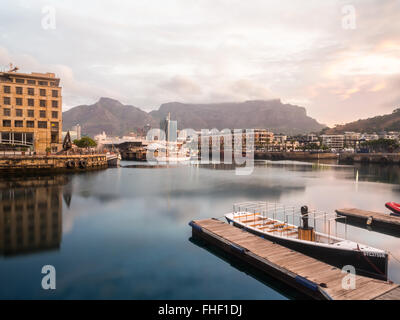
<point>371,266</point>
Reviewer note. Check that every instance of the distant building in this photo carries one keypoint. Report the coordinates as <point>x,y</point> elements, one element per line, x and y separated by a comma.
<point>333,141</point>
<point>78,131</point>
<point>30,111</point>
<point>170,128</point>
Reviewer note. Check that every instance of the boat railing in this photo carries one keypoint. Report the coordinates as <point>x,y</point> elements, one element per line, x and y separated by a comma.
<point>289,215</point>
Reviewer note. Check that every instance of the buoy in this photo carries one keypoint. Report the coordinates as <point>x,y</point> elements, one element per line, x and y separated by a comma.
<point>70,164</point>
<point>82,163</point>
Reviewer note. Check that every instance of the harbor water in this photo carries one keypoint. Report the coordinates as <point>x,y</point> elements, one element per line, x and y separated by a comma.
<point>123,233</point>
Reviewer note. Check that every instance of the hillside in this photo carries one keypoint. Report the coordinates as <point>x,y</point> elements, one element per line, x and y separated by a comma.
<point>117,119</point>
<point>107,115</point>
<point>271,114</point>
<point>387,122</point>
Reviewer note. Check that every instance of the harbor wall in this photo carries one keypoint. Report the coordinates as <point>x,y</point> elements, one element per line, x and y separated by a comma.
<point>382,158</point>
<point>294,155</point>
<point>12,163</point>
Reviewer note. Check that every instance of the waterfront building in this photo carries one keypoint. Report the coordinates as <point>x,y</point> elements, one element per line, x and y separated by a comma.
<point>30,111</point>
<point>333,141</point>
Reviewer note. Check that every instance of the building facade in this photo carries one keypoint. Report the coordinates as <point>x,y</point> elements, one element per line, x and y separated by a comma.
<point>30,111</point>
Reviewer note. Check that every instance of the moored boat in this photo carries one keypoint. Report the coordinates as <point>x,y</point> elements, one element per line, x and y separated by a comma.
<point>271,221</point>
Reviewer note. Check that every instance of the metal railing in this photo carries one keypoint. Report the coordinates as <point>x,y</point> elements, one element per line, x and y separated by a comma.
<point>321,221</point>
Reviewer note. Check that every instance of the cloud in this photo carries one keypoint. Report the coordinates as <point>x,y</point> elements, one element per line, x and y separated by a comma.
<point>148,53</point>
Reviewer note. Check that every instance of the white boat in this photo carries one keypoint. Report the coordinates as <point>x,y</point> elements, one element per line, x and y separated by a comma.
<point>271,221</point>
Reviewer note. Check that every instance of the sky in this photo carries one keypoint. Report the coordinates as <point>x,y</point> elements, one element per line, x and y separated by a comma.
<point>338,59</point>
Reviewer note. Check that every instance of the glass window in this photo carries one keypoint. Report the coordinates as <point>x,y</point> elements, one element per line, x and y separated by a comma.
<point>31,82</point>
<point>7,100</point>
<point>18,112</point>
<point>54,114</point>
<point>30,124</point>
<point>31,113</point>
<point>7,89</point>
<point>7,112</point>
<point>18,123</point>
<point>42,114</point>
<point>54,93</point>
<point>42,124</point>
<point>18,101</point>
<point>54,103</point>
<point>31,102</point>
<point>31,91</point>
<point>43,83</point>
<point>43,103</point>
<point>43,92</point>
<point>18,90</point>
<point>20,80</point>
<point>6,123</point>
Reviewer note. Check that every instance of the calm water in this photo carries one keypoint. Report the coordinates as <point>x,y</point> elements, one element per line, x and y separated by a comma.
<point>123,233</point>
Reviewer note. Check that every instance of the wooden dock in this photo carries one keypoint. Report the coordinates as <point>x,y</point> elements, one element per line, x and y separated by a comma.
<point>379,221</point>
<point>312,277</point>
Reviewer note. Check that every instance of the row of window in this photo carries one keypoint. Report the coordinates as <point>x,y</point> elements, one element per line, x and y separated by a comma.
<point>34,82</point>
<point>29,113</point>
<point>29,124</point>
<point>30,91</point>
<point>31,102</point>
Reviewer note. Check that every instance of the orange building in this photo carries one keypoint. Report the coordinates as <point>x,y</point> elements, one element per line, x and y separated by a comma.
<point>30,111</point>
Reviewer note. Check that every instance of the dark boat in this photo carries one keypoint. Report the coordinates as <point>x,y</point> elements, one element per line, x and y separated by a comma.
<point>261,218</point>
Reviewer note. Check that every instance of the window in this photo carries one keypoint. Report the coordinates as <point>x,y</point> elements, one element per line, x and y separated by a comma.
<point>20,80</point>
<point>18,112</point>
<point>54,114</point>
<point>7,100</point>
<point>54,103</point>
<point>31,91</point>
<point>43,92</point>
<point>43,103</point>
<point>7,89</point>
<point>54,93</point>
<point>30,124</point>
<point>31,113</point>
<point>7,112</point>
<point>42,124</point>
<point>18,101</point>
<point>54,125</point>
<point>6,123</point>
<point>18,90</point>
<point>31,82</point>
<point>18,123</point>
<point>42,114</point>
<point>31,102</point>
<point>43,83</point>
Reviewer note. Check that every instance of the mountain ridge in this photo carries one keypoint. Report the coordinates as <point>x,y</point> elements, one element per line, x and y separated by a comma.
<point>115,118</point>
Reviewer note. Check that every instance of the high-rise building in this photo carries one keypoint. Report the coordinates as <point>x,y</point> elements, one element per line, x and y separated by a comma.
<point>170,128</point>
<point>30,111</point>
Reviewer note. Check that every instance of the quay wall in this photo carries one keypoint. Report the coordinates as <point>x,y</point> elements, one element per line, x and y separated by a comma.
<point>382,158</point>
<point>12,163</point>
<point>293,156</point>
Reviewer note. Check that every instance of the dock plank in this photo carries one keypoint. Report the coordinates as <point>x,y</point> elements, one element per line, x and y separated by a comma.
<point>289,262</point>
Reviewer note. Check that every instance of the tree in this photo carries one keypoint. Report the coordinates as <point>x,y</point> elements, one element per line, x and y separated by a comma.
<point>381,145</point>
<point>85,142</point>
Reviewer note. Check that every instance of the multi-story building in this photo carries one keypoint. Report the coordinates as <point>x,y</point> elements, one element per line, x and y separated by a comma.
<point>30,111</point>
<point>333,141</point>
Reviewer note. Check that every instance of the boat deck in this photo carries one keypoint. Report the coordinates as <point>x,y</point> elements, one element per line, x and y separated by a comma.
<point>308,275</point>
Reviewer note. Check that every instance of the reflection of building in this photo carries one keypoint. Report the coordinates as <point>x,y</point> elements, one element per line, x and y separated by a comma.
<point>30,215</point>
<point>30,111</point>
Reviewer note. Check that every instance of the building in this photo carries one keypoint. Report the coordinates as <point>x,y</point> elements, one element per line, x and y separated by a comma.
<point>170,128</point>
<point>30,111</point>
<point>78,131</point>
<point>333,141</point>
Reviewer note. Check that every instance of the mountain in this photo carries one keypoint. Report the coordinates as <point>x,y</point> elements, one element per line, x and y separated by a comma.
<point>387,122</point>
<point>107,115</point>
<point>271,114</point>
<point>117,119</point>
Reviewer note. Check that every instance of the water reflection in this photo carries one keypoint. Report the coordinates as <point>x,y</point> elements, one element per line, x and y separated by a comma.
<point>30,214</point>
